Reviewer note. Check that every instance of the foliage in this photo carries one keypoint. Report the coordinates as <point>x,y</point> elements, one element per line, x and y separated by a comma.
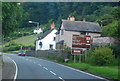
<point>111,30</point>
<point>116,50</point>
<point>105,14</point>
<point>43,12</point>
<point>60,59</point>
<point>108,71</point>
<point>102,56</point>
<point>11,48</point>
<point>15,15</point>
<point>12,17</point>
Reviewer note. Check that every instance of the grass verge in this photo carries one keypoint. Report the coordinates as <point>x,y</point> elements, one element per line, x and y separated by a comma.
<point>107,71</point>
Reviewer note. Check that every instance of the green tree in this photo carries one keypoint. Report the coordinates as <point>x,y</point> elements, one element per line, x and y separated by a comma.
<point>102,56</point>
<point>111,30</point>
<point>12,17</point>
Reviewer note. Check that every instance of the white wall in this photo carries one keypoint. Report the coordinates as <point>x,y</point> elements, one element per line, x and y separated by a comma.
<point>37,31</point>
<point>49,39</point>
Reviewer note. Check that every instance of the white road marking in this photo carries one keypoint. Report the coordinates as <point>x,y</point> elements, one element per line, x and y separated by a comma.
<point>45,68</point>
<point>52,73</point>
<point>39,64</point>
<point>16,72</point>
<point>61,78</point>
<point>83,72</point>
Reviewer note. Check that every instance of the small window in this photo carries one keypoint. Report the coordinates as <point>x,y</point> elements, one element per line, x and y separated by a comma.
<point>62,32</point>
<point>40,44</point>
<point>83,33</point>
<point>54,38</point>
<point>51,46</point>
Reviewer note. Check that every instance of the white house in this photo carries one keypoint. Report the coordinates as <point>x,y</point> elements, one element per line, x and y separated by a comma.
<point>46,41</point>
<point>37,30</point>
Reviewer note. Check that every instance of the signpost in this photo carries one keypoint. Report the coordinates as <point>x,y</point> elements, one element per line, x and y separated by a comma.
<point>79,43</point>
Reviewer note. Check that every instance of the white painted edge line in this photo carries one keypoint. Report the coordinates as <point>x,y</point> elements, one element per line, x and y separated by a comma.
<point>83,72</point>
<point>61,78</point>
<point>16,72</point>
<point>52,73</point>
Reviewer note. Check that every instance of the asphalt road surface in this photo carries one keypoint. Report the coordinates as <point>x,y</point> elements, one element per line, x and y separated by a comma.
<point>33,68</point>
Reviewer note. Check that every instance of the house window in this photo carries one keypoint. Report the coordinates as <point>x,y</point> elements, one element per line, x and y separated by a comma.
<point>53,38</point>
<point>62,32</point>
<point>83,33</point>
<point>51,46</point>
<point>40,44</point>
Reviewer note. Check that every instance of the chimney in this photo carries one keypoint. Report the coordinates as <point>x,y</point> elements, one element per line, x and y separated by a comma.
<point>72,18</point>
<point>84,19</point>
<point>52,25</point>
<point>69,17</point>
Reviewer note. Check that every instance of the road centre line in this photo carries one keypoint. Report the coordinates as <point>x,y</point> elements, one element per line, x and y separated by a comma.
<point>61,78</point>
<point>45,68</point>
<point>52,73</point>
<point>39,64</point>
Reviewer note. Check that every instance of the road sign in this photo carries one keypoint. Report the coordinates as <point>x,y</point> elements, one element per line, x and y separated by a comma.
<point>77,51</point>
<point>79,43</point>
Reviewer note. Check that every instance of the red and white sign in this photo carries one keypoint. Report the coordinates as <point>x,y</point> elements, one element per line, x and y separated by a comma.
<point>77,51</point>
<point>79,43</point>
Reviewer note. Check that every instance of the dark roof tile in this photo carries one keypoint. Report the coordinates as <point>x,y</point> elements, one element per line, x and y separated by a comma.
<point>81,26</point>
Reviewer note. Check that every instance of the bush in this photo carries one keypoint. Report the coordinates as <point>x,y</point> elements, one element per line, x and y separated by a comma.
<point>116,50</point>
<point>102,56</point>
<point>11,48</point>
<point>60,59</point>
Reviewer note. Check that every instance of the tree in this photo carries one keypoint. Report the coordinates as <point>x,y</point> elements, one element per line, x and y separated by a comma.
<point>102,56</point>
<point>12,17</point>
<point>111,30</point>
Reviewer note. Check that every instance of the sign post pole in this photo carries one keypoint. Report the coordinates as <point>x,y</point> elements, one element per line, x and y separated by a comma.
<point>85,54</point>
<point>80,43</point>
<point>74,59</point>
<point>79,58</point>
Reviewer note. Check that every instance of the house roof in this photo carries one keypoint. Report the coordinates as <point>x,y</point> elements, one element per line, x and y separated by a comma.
<point>44,34</point>
<point>81,26</point>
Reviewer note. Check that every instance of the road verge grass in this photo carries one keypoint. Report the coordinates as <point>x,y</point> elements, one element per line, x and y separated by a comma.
<point>107,71</point>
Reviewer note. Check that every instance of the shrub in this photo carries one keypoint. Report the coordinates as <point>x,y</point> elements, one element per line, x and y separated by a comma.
<point>116,49</point>
<point>60,59</point>
<point>11,48</point>
<point>102,56</point>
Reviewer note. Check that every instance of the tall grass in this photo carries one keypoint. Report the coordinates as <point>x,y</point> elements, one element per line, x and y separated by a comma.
<point>108,71</point>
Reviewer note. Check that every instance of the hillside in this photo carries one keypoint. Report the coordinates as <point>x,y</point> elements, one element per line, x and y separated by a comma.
<point>26,40</point>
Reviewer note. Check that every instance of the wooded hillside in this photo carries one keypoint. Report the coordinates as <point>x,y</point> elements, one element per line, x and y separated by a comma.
<point>105,13</point>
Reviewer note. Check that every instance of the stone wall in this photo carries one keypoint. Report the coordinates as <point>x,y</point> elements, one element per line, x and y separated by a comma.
<point>105,40</point>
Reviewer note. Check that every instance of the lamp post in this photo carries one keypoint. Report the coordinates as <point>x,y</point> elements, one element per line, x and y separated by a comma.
<point>35,23</point>
<point>22,39</point>
<point>37,30</point>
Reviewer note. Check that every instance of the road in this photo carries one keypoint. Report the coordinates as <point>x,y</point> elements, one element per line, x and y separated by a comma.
<point>33,68</point>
